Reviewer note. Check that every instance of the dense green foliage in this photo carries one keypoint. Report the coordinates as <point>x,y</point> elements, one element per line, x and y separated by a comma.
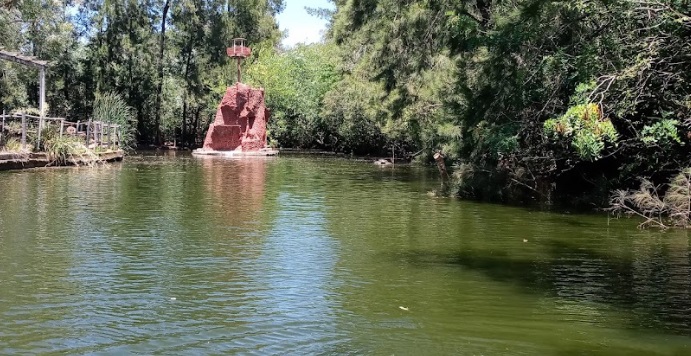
<point>566,96</point>
<point>584,126</point>
<point>165,57</point>
<point>296,81</point>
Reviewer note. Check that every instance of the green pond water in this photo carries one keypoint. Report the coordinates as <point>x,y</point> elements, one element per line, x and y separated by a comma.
<point>173,254</point>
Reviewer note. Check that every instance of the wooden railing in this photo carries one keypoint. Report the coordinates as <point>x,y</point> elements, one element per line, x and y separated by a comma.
<point>94,133</point>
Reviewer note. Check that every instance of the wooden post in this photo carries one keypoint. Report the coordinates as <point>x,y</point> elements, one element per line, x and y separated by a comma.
<point>88,132</point>
<point>62,126</point>
<point>2,129</point>
<point>42,99</point>
<point>110,127</point>
<point>42,94</point>
<point>393,155</point>
<point>96,134</point>
<point>239,70</point>
<point>439,158</point>
<point>23,131</point>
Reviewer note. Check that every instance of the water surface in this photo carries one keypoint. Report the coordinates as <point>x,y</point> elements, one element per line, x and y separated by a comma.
<point>181,255</point>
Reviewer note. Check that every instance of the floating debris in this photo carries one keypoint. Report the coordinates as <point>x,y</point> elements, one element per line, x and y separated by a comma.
<point>403,308</point>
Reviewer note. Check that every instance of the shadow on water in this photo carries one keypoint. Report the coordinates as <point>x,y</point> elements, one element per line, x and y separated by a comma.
<point>651,287</point>
<point>170,253</point>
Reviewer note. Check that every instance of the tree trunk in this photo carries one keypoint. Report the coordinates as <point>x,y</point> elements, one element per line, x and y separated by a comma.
<point>65,86</point>
<point>130,79</point>
<point>184,123</point>
<point>485,8</point>
<point>187,86</point>
<point>159,89</point>
<point>196,125</point>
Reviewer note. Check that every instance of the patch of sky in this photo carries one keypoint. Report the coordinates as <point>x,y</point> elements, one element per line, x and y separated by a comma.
<point>302,27</point>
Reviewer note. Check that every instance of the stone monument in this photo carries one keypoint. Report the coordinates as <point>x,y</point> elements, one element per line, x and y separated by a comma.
<point>239,128</point>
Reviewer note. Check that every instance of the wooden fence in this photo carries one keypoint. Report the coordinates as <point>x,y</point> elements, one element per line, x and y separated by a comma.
<point>94,133</point>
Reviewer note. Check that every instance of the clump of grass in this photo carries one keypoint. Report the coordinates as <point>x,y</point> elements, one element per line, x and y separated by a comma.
<point>111,108</point>
<point>13,128</point>
<point>671,210</point>
<point>12,145</point>
<point>64,150</point>
<point>49,133</point>
<point>10,138</point>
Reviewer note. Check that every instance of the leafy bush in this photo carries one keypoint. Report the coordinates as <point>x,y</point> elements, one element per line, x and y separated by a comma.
<point>586,128</point>
<point>662,132</point>
<point>296,82</point>
<point>351,112</point>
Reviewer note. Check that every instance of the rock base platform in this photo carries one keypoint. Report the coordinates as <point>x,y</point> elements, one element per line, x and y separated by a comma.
<point>266,152</point>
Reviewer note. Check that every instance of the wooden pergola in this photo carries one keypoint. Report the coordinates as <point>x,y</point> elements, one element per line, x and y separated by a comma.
<point>34,63</point>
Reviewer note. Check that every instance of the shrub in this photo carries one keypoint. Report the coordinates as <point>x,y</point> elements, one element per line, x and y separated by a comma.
<point>68,150</point>
<point>662,132</point>
<point>12,145</point>
<point>585,127</point>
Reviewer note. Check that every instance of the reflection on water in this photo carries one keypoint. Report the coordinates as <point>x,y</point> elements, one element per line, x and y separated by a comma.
<point>294,272</point>
<point>174,254</point>
<point>235,189</point>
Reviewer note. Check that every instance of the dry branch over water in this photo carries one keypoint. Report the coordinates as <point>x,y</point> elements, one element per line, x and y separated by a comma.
<point>673,209</point>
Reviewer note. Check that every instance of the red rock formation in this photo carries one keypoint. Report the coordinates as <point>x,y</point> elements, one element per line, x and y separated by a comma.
<point>240,123</point>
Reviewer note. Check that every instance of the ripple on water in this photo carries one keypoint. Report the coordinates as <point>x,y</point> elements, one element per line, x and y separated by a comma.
<point>172,255</point>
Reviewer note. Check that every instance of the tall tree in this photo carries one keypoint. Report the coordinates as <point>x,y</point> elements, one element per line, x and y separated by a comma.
<point>161,50</point>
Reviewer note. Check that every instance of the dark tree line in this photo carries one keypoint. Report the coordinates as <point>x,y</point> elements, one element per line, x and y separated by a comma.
<point>523,96</point>
<point>164,58</point>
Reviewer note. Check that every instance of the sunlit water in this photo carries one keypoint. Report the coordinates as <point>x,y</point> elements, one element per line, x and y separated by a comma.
<point>181,255</point>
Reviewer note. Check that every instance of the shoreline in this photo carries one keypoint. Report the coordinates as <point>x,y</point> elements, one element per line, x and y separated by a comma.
<point>19,161</point>
<point>288,152</point>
